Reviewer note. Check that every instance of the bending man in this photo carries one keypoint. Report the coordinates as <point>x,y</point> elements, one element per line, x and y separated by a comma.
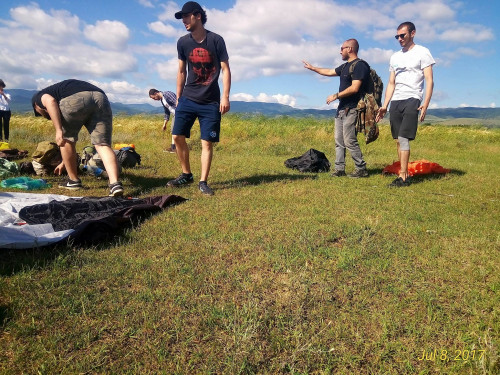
<point>71,104</point>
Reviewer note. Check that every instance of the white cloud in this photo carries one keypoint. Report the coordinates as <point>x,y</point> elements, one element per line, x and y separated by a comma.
<point>146,3</point>
<point>167,70</point>
<point>169,10</point>
<point>273,37</point>
<point>112,35</point>
<point>167,50</point>
<point>164,29</point>
<point>424,10</point>
<point>121,91</point>
<point>467,34</point>
<point>376,55</point>
<point>265,39</point>
<point>52,43</point>
<point>57,27</point>
<point>464,105</point>
<point>265,98</point>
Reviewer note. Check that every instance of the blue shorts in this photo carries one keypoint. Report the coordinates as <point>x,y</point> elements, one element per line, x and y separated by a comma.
<point>208,115</point>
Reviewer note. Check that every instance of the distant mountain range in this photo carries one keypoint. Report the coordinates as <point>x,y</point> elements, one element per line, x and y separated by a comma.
<point>21,103</point>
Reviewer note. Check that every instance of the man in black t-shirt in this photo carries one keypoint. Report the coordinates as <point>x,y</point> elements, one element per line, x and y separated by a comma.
<point>202,56</point>
<point>350,90</point>
<point>71,104</point>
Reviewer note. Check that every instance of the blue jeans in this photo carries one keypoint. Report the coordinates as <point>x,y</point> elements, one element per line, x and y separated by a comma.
<point>345,138</point>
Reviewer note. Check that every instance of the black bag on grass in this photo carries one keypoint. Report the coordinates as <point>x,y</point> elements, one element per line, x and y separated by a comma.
<point>312,161</point>
<point>128,158</point>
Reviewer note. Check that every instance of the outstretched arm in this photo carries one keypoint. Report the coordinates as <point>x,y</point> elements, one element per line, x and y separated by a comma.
<point>323,71</point>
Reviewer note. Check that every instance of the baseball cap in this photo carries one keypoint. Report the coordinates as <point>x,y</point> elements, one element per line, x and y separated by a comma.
<point>189,7</point>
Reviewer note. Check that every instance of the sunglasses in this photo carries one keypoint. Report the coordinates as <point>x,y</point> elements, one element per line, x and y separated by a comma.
<point>402,36</point>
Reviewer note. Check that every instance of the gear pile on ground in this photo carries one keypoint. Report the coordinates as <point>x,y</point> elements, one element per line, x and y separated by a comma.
<point>417,167</point>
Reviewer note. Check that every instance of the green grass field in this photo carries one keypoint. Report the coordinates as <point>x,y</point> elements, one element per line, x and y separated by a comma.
<point>280,272</point>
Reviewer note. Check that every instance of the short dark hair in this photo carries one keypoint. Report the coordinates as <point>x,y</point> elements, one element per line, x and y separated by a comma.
<point>409,25</point>
<point>354,44</point>
<point>203,15</point>
<point>153,92</point>
<point>2,83</point>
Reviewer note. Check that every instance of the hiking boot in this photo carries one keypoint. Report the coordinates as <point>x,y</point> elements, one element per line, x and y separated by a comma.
<point>182,180</point>
<point>116,189</point>
<point>70,184</point>
<point>170,150</point>
<point>362,172</point>
<point>399,182</point>
<point>205,189</point>
<point>338,173</point>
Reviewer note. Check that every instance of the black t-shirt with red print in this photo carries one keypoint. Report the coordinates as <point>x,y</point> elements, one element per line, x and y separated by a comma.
<point>203,66</point>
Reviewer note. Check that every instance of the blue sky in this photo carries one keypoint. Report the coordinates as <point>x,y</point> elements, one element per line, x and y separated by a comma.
<point>129,46</point>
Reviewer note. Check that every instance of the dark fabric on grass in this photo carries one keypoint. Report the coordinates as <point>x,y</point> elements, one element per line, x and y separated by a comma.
<point>13,154</point>
<point>312,161</point>
<point>96,219</point>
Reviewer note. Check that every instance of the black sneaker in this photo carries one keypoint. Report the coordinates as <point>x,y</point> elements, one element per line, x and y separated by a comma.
<point>70,184</point>
<point>205,189</point>
<point>399,182</point>
<point>359,173</point>
<point>116,189</point>
<point>338,173</point>
<point>182,180</point>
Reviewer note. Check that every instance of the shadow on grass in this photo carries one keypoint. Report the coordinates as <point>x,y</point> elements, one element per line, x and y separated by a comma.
<point>264,179</point>
<point>5,315</point>
<point>13,261</point>
<point>419,178</point>
<point>142,185</point>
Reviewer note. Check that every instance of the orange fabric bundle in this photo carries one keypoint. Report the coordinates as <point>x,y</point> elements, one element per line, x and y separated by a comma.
<point>119,146</point>
<point>416,167</point>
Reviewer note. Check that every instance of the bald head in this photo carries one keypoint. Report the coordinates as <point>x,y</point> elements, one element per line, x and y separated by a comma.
<point>353,43</point>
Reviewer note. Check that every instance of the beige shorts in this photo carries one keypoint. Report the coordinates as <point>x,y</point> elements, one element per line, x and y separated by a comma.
<point>90,109</point>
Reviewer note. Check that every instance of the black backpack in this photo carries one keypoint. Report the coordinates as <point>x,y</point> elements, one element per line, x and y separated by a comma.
<point>128,158</point>
<point>312,161</point>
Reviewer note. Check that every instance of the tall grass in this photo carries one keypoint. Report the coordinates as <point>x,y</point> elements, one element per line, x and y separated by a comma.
<point>279,272</point>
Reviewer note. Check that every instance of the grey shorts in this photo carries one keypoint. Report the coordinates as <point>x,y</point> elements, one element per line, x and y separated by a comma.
<point>403,116</point>
<point>90,109</point>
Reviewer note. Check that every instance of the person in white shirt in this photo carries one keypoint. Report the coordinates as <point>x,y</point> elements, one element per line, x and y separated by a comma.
<point>4,112</point>
<point>409,68</point>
